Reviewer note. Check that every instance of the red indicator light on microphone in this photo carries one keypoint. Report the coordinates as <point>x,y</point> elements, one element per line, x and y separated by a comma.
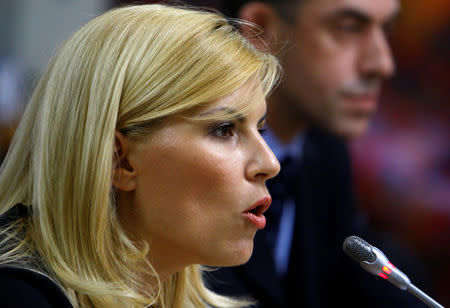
<point>383,275</point>
<point>387,270</point>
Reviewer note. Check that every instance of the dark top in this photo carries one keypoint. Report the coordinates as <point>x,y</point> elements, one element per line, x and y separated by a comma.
<point>319,273</point>
<point>24,288</point>
<point>21,287</point>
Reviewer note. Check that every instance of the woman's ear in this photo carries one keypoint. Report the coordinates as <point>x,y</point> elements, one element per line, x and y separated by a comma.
<point>266,17</point>
<point>124,176</point>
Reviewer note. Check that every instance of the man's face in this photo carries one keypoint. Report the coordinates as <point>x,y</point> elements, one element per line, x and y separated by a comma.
<point>337,59</point>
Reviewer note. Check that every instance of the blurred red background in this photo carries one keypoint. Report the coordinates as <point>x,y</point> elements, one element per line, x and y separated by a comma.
<point>402,166</point>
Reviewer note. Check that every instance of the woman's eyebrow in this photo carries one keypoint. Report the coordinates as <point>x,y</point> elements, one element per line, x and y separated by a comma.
<point>237,115</point>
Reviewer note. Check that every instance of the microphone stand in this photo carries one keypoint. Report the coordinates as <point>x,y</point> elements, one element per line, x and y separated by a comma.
<point>423,297</point>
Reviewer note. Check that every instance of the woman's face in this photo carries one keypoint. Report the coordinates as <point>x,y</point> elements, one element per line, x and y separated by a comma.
<point>194,183</point>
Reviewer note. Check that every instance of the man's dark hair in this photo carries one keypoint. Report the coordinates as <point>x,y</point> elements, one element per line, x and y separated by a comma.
<point>230,8</point>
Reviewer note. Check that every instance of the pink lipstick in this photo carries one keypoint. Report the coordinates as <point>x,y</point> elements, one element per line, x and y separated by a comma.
<point>254,214</point>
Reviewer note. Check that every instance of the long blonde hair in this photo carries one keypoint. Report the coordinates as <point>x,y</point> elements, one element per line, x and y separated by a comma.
<point>121,71</point>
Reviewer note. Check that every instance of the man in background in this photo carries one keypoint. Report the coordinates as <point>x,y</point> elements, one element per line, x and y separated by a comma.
<point>335,56</point>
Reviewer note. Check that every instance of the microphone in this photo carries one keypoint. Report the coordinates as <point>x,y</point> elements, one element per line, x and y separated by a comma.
<point>374,261</point>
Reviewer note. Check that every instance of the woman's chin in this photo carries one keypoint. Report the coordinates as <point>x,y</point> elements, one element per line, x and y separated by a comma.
<point>236,257</point>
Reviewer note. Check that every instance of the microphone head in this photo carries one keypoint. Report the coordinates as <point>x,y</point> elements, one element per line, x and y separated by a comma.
<point>358,249</point>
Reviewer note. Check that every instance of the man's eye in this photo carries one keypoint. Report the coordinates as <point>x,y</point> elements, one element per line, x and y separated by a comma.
<point>262,130</point>
<point>349,26</point>
<point>223,130</point>
<point>388,30</point>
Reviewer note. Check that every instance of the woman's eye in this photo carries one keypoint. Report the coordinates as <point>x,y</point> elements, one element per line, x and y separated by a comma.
<point>223,130</point>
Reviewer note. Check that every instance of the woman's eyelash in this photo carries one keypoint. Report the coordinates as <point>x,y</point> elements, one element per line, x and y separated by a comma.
<point>228,129</point>
<point>223,130</point>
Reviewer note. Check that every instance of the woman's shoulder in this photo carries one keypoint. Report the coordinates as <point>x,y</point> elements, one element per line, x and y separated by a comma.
<point>21,287</point>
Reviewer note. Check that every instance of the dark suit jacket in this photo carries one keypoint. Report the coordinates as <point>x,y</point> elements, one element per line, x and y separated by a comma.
<point>20,287</point>
<point>320,275</point>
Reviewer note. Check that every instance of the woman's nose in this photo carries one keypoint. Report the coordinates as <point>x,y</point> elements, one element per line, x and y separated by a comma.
<point>262,164</point>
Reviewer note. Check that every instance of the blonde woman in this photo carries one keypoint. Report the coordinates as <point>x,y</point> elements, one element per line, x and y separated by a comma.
<point>138,158</point>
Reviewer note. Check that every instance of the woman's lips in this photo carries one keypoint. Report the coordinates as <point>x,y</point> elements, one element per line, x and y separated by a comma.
<point>254,214</point>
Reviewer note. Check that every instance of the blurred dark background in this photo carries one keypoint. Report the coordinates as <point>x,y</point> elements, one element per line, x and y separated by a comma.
<point>401,167</point>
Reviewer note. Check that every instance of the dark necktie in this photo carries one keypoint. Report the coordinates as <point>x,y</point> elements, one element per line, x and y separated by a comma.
<point>281,188</point>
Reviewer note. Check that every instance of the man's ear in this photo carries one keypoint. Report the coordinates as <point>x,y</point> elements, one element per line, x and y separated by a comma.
<point>124,176</point>
<point>266,17</point>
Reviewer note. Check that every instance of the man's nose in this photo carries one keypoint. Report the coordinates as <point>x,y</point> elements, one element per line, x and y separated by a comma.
<point>376,56</point>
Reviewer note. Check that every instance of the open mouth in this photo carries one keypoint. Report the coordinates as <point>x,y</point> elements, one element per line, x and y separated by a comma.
<point>260,207</point>
<point>258,210</point>
<point>255,214</point>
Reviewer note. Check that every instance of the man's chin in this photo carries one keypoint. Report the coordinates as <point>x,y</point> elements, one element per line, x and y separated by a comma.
<point>352,128</point>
